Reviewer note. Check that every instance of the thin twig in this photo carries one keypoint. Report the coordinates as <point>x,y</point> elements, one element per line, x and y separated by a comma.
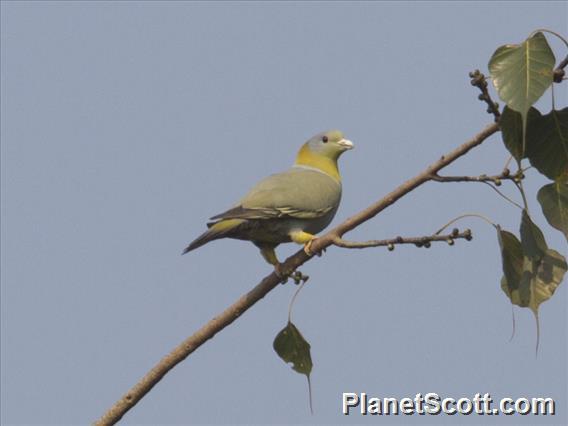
<point>417,241</point>
<point>491,181</point>
<point>218,323</point>
<point>495,179</point>
<point>478,80</point>
<point>503,195</point>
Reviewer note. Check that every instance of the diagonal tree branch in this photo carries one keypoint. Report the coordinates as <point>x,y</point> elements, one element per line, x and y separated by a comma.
<point>218,323</point>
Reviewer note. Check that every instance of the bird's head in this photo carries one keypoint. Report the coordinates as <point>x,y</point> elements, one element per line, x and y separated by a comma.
<point>329,144</point>
<point>322,151</point>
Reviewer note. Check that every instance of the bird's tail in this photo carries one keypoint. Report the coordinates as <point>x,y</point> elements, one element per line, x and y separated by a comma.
<point>216,230</point>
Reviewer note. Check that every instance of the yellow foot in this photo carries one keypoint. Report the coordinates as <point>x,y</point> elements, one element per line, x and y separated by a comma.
<point>308,248</point>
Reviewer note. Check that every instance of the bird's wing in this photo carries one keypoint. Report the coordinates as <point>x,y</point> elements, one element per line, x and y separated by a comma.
<point>241,212</point>
<point>297,193</point>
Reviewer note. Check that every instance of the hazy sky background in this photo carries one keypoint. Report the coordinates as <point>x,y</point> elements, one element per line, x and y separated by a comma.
<point>126,125</point>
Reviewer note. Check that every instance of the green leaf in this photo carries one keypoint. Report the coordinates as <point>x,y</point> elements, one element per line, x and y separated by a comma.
<point>291,346</point>
<point>512,259</point>
<point>521,73</point>
<point>546,141</point>
<point>553,199</point>
<point>538,281</point>
<point>511,293</point>
<point>511,123</point>
<point>532,271</point>
<point>532,239</point>
<point>530,267</point>
<point>547,144</point>
<point>549,274</point>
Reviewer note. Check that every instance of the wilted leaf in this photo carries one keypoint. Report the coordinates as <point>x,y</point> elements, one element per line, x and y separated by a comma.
<point>532,240</point>
<point>547,143</point>
<point>511,123</point>
<point>512,259</point>
<point>291,346</point>
<point>553,199</point>
<point>549,275</point>
<point>538,281</point>
<point>530,267</point>
<point>521,73</point>
<point>513,295</point>
<point>532,272</point>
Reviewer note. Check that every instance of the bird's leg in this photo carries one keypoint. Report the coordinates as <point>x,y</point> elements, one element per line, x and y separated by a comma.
<point>283,273</point>
<point>305,238</point>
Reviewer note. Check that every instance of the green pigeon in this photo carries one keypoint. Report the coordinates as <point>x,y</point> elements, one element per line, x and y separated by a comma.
<point>290,206</point>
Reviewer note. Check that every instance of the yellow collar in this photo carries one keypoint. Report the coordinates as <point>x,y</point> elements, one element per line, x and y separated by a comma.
<point>318,162</point>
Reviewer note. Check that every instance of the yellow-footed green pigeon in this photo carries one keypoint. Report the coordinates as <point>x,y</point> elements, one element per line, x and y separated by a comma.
<point>290,206</point>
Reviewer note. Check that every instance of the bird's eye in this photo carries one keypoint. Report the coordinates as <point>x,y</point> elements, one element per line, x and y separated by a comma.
<point>324,139</point>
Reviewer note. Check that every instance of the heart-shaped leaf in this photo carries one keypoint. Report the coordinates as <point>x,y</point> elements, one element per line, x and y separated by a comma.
<point>511,123</point>
<point>548,276</point>
<point>291,346</point>
<point>547,143</point>
<point>532,239</point>
<point>529,281</point>
<point>532,271</point>
<point>512,259</point>
<point>553,199</point>
<point>521,73</point>
<point>537,282</point>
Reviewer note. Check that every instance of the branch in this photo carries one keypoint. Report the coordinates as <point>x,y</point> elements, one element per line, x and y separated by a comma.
<point>478,80</point>
<point>495,179</point>
<point>417,241</point>
<point>218,323</point>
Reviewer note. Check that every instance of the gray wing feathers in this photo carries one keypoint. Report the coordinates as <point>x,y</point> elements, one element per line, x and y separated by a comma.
<point>297,193</point>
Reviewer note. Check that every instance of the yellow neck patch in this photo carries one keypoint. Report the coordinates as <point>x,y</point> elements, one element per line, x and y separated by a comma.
<point>306,157</point>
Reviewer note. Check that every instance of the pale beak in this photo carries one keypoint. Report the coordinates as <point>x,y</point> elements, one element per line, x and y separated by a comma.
<point>346,144</point>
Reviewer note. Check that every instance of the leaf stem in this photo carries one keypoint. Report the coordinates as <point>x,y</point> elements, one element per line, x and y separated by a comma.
<point>544,30</point>
<point>519,185</point>
<point>537,335</point>
<point>301,286</point>
<point>513,318</point>
<point>310,394</point>
<point>480,216</point>
<point>503,195</point>
<point>506,167</point>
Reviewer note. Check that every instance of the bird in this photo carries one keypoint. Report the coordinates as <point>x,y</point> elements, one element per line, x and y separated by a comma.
<point>291,206</point>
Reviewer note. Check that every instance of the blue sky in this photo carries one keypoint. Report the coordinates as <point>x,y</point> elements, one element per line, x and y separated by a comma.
<point>125,126</point>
